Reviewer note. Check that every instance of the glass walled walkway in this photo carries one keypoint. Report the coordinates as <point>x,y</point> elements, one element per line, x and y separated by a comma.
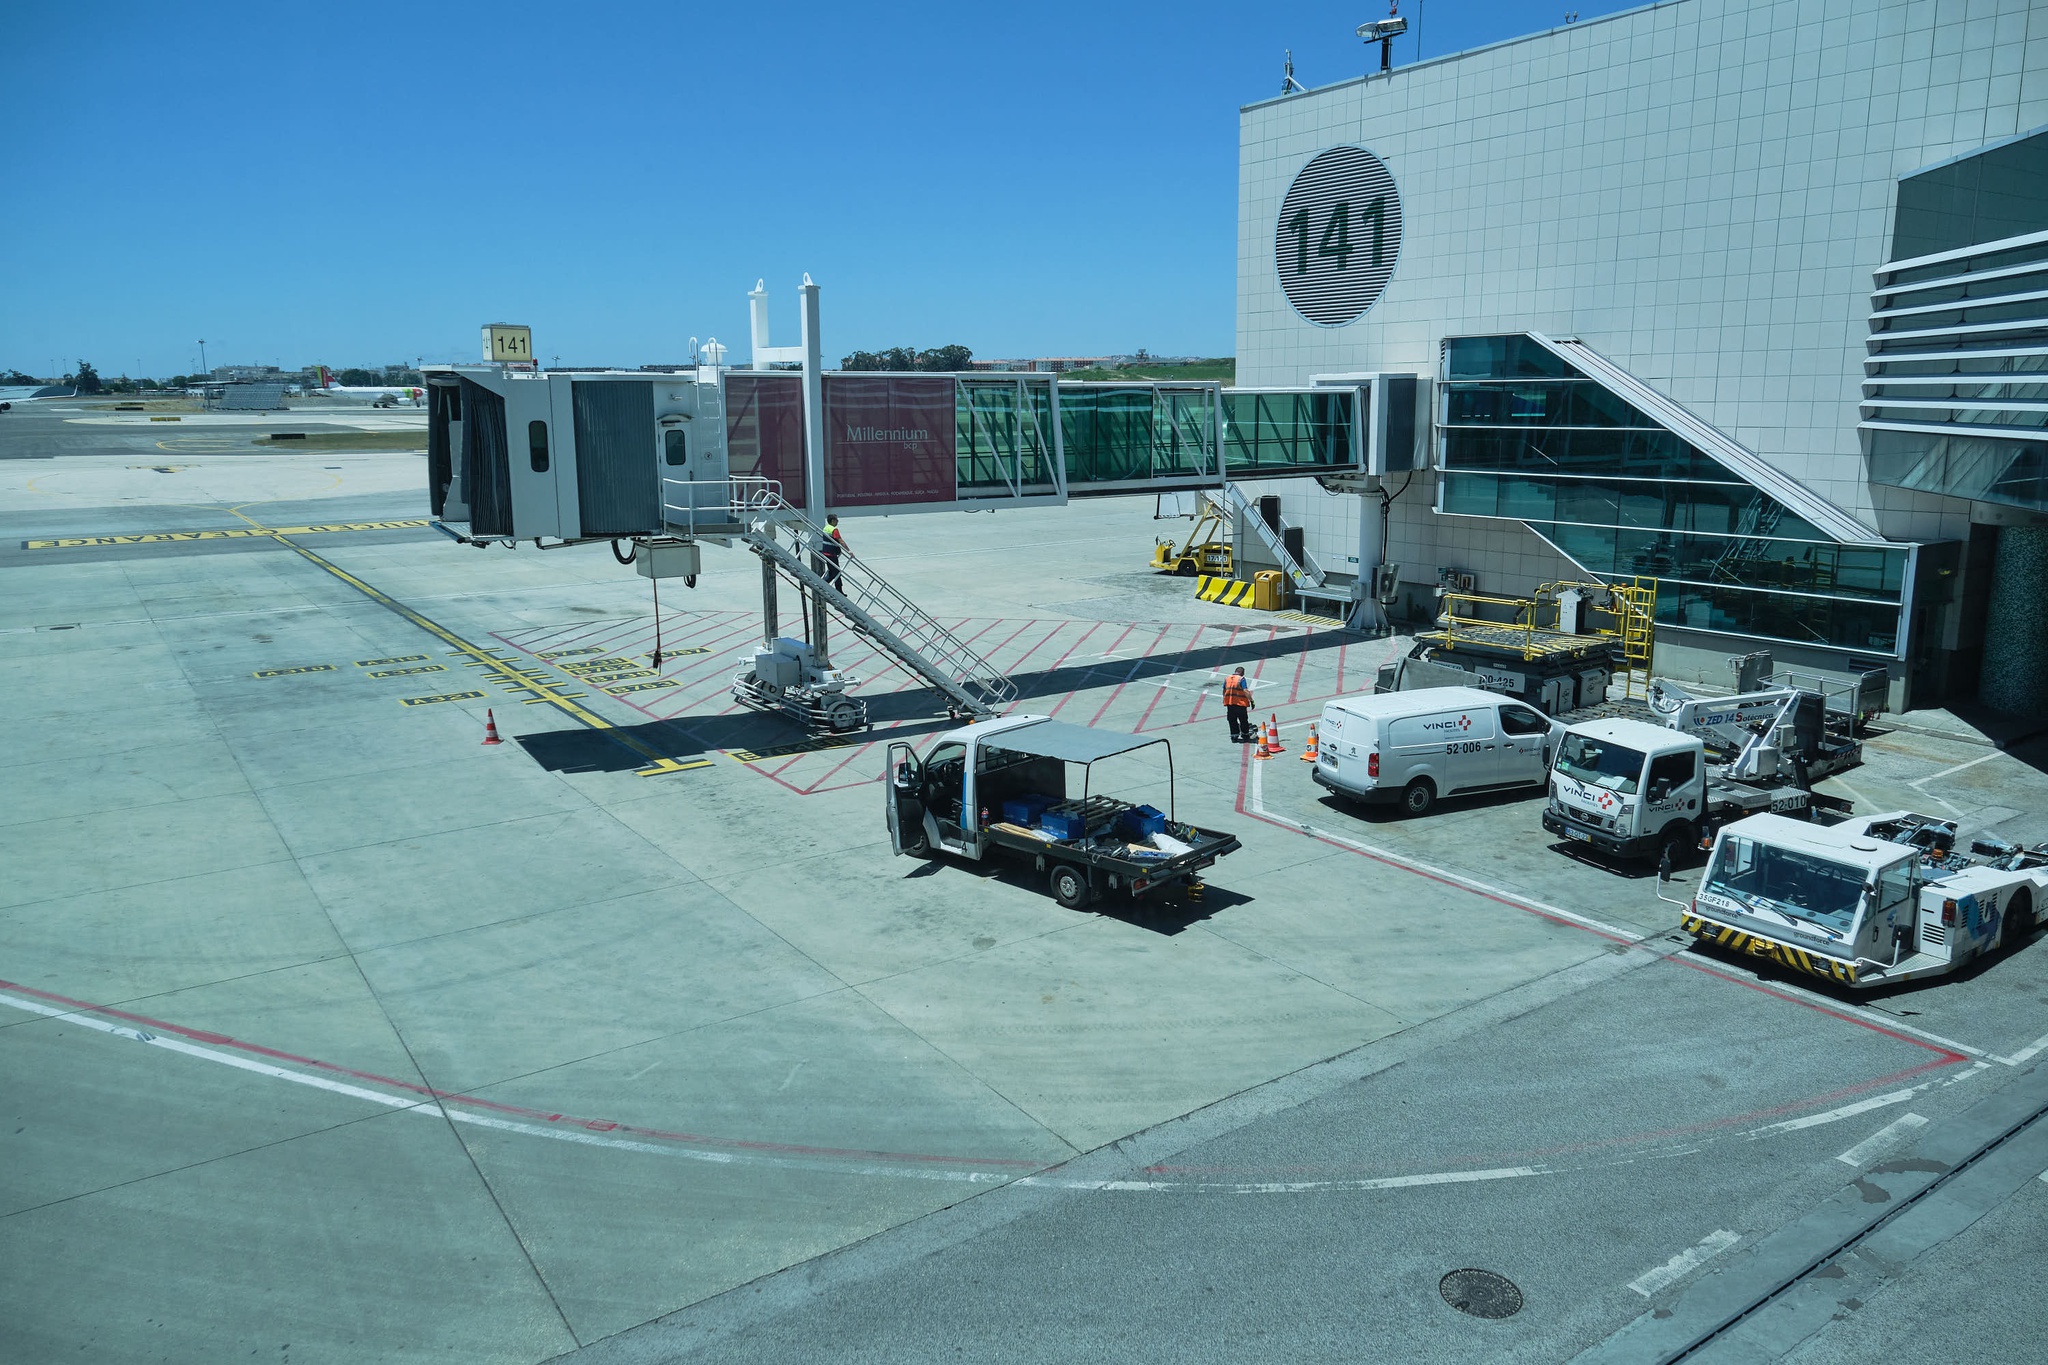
<point>1011,431</point>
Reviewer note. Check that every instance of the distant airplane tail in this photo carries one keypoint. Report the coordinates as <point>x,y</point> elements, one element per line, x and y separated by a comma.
<point>326,377</point>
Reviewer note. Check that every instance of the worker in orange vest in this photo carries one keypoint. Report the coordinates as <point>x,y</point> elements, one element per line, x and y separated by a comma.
<point>1237,705</point>
<point>833,547</point>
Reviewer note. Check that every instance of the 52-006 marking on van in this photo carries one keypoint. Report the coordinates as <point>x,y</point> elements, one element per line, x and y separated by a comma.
<point>1470,746</point>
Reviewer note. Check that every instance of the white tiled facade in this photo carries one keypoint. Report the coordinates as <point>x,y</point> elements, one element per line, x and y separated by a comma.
<point>1698,189</point>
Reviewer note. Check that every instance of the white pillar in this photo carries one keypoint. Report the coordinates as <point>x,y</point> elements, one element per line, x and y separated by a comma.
<point>757,303</point>
<point>814,407</point>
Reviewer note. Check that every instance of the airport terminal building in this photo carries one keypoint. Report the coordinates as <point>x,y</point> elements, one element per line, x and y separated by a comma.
<point>1751,298</point>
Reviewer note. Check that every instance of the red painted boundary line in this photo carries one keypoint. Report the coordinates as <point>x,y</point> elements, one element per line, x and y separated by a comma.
<point>1948,1056</point>
<point>222,1040</point>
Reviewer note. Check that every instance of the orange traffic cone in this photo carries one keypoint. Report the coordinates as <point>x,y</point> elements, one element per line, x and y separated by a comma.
<point>491,728</point>
<point>1310,754</point>
<point>1262,752</point>
<point>1273,743</point>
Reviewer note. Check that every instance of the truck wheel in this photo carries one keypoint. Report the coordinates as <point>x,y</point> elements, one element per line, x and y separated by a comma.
<point>1069,887</point>
<point>2019,919</point>
<point>1418,796</point>
<point>1676,844</point>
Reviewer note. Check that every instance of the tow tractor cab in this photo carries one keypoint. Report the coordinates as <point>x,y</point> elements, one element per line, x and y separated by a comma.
<point>1006,788</point>
<point>1867,902</point>
<point>1413,747</point>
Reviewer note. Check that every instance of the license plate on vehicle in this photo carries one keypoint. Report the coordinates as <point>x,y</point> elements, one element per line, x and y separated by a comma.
<point>1578,834</point>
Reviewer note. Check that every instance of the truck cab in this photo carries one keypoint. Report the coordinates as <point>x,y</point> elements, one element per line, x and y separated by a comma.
<point>1628,788</point>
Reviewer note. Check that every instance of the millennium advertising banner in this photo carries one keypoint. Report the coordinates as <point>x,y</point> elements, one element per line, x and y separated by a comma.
<point>888,439</point>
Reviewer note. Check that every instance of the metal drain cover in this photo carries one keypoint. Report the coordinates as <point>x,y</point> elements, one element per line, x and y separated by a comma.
<point>1481,1293</point>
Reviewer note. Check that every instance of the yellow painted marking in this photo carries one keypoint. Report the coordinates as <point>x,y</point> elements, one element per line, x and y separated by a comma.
<point>547,692</point>
<point>404,672</point>
<point>642,687</point>
<point>445,696</point>
<point>802,746</point>
<point>166,419</point>
<point>287,672</point>
<point>394,659</point>
<point>232,533</point>
<point>565,653</point>
<point>672,765</point>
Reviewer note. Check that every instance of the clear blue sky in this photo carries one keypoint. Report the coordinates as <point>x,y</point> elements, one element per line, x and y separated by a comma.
<point>362,184</point>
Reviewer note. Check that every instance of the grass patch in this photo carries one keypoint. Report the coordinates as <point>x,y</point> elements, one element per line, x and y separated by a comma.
<point>350,440</point>
<point>1224,369</point>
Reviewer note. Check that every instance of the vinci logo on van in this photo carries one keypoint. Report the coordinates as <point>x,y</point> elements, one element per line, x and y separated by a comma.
<point>1461,724</point>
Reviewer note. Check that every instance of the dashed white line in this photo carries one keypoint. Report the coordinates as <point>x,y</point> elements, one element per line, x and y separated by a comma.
<point>1685,1262</point>
<point>1847,1111</point>
<point>1385,1182</point>
<point>1883,1140</point>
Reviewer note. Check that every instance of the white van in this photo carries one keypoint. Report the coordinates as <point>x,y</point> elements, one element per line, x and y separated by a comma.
<point>1413,747</point>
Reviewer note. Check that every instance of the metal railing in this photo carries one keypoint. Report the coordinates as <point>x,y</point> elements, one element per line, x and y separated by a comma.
<point>868,602</point>
<point>713,505</point>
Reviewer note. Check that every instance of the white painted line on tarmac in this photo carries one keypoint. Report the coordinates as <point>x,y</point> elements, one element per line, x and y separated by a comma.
<point>1883,1140</point>
<point>2027,1053</point>
<point>434,1109</point>
<point>1889,1021</point>
<point>1684,1263</point>
<point>1847,1111</point>
<point>1256,798</point>
<point>1945,772</point>
<point>1385,1182</point>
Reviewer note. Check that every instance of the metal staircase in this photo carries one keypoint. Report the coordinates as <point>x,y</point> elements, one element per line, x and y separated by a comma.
<point>1231,498</point>
<point>781,534</point>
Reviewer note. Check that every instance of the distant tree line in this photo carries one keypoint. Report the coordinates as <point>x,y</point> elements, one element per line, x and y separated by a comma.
<point>943,359</point>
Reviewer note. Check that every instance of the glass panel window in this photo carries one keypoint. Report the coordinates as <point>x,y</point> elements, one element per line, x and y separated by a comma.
<point>675,447</point>
<point>537,446</point>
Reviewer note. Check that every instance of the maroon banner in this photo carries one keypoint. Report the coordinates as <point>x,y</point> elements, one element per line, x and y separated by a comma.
<point>764,428</point>
<point>888,439</point>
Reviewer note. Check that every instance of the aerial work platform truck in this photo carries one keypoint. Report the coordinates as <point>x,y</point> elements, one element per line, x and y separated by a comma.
<point>1001,789</point>
<point>1659,787</point>
<point>1868,902</point>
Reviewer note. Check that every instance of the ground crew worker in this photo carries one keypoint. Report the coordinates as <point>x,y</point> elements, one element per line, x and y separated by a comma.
<point>834,546</point>
<point>1237,705</point>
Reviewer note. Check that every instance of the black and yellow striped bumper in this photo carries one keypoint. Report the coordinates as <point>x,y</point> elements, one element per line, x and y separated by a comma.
<point>1228,591</point>
<point>1784,954</point>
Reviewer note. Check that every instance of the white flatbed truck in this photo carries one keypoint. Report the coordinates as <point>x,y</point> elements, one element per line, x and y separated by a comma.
<point>1868,902</point>
<point>1001,789</point>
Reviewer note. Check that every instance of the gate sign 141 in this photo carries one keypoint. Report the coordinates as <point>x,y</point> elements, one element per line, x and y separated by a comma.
<point>1338,236</point>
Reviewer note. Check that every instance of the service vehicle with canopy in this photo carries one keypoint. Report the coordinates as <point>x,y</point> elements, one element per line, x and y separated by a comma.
<point>1005,788</point>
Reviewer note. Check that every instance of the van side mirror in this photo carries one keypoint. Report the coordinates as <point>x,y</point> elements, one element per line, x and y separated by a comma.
<point>1660,789</point>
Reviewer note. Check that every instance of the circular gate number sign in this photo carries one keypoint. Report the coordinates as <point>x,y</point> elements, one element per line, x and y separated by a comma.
<point>1339,233</point>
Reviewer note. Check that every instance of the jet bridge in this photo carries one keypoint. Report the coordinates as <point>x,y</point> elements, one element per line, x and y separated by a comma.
<point>665,458</point>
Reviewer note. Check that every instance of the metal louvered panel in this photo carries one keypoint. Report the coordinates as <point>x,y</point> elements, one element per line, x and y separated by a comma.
<point>485,479</point>
<point>618,483</point>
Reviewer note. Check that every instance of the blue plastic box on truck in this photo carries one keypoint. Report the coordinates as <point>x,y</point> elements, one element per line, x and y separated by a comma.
<point>1025,810</point>
<point>1064,824</point>
<point>1142,822</point>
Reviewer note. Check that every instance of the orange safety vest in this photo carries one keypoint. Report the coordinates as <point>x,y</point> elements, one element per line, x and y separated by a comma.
<point>1235,693</point>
